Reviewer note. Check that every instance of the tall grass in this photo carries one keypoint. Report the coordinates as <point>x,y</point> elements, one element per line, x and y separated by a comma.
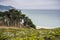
<point>29,34</point>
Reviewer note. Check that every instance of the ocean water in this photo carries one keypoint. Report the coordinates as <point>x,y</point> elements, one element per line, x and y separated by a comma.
<point>46,18</point>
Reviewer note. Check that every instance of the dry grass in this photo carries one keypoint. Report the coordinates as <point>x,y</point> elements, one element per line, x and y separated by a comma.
<point>10,27</point>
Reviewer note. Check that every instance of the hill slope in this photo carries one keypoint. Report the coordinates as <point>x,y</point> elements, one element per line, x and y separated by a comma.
<point>3,7</point>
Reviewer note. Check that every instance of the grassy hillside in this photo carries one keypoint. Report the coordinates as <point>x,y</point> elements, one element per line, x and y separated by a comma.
<point>29,34</point>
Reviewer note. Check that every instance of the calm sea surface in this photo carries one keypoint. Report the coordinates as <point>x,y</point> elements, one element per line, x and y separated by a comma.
<point>49,18</point>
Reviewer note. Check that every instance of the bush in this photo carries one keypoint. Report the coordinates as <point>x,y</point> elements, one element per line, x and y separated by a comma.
<point>29,34</point>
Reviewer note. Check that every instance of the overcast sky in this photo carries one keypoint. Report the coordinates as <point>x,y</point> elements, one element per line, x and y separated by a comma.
<point>32,4</point>
<point>48,18</point>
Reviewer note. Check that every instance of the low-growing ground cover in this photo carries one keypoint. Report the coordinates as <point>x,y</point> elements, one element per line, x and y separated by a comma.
<point>29,34</point>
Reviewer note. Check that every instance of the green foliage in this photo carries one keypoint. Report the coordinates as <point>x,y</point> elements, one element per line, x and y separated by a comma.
<point>14,17</point>
<point>29,34</point>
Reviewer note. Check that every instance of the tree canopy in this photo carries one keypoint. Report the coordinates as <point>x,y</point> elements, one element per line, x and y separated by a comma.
<point>14,17</point>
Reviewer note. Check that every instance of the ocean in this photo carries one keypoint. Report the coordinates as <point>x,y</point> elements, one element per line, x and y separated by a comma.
<point>46,18</point>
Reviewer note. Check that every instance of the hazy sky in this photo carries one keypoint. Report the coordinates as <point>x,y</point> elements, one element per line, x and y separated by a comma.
<point>50,19</point>
<point>32,4</point>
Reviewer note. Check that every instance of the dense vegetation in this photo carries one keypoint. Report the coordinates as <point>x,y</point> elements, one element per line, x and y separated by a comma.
<point>26,32</point>
<point>30,34</point>
<point>15,17</point>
